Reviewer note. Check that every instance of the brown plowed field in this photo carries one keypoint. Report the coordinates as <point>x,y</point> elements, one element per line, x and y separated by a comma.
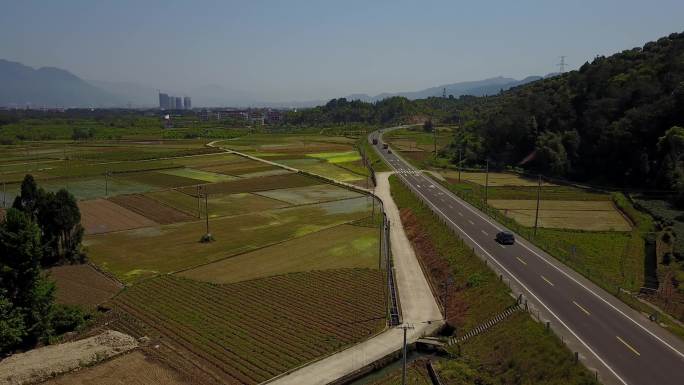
<point>152,209</point>
<point>252,331</point>
<point>82,285</point>
<point>131,369</point>
<point>102,216</point>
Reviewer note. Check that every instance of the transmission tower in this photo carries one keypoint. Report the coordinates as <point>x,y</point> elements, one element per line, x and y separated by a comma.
<point>562,64</point>
<point>444,93</point>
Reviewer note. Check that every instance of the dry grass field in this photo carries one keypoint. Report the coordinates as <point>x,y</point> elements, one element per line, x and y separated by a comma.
<point>574,215</point>
<point>496,179</point>
<point>218,204</point>
<point>102,216</point>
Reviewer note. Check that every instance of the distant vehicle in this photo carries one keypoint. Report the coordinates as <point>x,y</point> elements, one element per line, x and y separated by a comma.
<point>375,140</point>
<point>505,238</point>
<point>389,150</point>
<point>385,146</point>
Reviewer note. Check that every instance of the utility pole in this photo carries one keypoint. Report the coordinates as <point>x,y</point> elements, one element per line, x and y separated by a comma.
<point>536,215</point>
<point>403,369</point>
<point>434,139</point>
<point>106,183</point>
<point>4,195</point>
<point>459,164</point>
<point>199,212</point>
<point>206,209</point>
<point>486,181</point>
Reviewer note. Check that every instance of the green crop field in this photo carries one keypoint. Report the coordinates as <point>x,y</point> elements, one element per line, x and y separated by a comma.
<point>254,330</point>
<point>135,254</point>
<point>343,246</point>
<point>199,175</point>
<point>310,194</point>
<point>218,204</point>
<point>495,179</point>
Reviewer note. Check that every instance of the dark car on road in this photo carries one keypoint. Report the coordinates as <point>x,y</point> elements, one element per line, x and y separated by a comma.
<point>505,238</point>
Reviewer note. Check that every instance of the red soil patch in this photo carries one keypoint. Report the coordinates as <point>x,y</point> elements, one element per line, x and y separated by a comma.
<point>434,265</point>
<point>152,209</point>
<point>82,285</point>
<point>102,216</point>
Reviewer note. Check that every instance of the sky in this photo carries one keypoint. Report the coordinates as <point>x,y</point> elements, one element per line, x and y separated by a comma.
<point>318,49</point>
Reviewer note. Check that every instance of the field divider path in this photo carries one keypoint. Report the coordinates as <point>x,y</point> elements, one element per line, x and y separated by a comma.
<point>418,306</point>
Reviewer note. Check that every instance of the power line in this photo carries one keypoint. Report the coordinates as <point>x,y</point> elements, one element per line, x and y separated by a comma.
<point>562,64</point>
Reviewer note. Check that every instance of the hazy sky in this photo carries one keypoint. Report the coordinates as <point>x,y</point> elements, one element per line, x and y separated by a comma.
<point>317,49</point>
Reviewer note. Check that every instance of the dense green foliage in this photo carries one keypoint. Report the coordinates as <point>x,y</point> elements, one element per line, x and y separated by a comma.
<point>27,310</point>
<point>59,221</point>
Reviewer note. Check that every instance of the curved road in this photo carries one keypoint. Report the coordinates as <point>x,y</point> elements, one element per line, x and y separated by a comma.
<point>618,342</point>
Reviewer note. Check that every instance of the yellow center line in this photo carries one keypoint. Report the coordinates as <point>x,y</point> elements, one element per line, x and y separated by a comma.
<point>628,346</point>
<point>547,281</point>
<point>521,261</point>
<point>581,308</point>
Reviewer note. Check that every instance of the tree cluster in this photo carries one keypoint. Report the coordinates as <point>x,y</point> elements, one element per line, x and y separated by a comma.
<point>38,232</point>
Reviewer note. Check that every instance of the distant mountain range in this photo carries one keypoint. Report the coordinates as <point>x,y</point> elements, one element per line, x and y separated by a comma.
<point>53,87</point>
<point>489,86</point>
<point>21,85</point>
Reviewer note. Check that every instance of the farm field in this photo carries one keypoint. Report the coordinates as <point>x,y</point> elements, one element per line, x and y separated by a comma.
<point>576,215</point>
<point>203,176</point>
<point>416,145</point>
<point>82,285</point>
<point>333,157</point>
<point>135,254</point>
<point>132,369</point>
<point>495,178</point>
<point>343,246</point>
<point>583,228</point>
<point>310,194</point>
<point>152,209</point>
<point>218,204</point>
<point>102,216</point>
<point>254,184</point>
<point>254,330</point>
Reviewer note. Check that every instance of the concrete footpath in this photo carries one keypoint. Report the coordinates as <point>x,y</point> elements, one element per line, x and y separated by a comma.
<point>418,306</point>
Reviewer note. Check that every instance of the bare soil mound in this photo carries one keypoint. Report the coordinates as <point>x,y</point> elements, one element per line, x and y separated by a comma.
<point>40,364</point>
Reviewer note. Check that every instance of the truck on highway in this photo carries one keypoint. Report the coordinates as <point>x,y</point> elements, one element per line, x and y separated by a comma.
<point>375,140</point>
<point>385,146</point>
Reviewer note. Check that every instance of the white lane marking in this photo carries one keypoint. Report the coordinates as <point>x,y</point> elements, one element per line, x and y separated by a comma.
<point>471,222</point>
<point>484,232</point>
<point>501,246</point>
<point>451,207</point>
<point>581,308</point>
<point>526,289</point>
<point>547,280</point>
<point>467,206</point>
<point>630,347</point>
<point>460,213</point>
<point>521,261</point>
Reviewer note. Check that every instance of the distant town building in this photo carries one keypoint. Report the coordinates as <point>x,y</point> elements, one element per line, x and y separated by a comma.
<point>187,103</point>
<point>163,101</point>
<point>172,103</point>
<point>274,116</point>
<point>204,115</point>
<point>179,103</point>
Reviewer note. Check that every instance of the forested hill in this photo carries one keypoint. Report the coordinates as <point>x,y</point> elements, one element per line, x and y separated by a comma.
<point>610,121</point>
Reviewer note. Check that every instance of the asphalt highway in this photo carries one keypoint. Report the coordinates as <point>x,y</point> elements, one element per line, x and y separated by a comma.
<point>623,345</point>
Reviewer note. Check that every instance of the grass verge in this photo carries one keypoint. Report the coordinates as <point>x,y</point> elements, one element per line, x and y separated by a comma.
<point>517,350</point>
